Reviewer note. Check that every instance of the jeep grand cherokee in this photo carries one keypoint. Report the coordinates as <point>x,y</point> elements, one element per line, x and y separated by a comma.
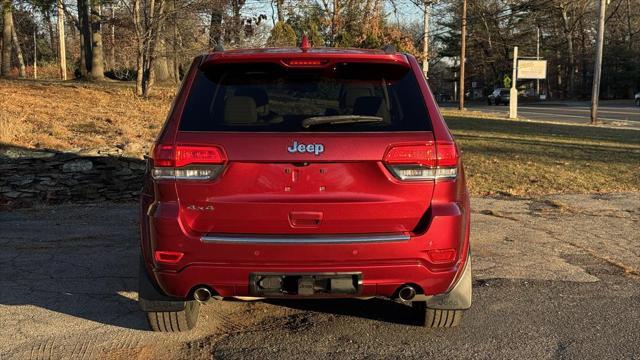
<point>304,173</point>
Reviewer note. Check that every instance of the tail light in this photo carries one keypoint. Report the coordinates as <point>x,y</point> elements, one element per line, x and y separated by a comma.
<point>428,161</point>
<point>187,162</point>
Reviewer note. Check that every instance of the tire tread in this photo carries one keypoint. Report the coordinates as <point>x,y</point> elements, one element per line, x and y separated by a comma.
<point>174,321</point>
<point>435,318</point>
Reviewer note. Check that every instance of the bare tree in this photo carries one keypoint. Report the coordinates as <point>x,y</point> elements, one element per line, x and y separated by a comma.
<point>84,26</point>
<point>112,38</point>
<point>62,46</point>
<point>22,72</point>
<point>97,53</point>
<point>215,27</point>
<point>571,12</point>
<point>280,9</point>
<point>148,19</point>
<point>6,38</point>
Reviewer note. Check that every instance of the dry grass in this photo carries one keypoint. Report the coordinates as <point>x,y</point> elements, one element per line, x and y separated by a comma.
<point>527,159</point>
<point>501,156</point>
<point>75,115</point>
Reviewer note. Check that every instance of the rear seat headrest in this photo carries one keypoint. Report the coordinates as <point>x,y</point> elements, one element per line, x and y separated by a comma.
<point>369,106</point>
<point>351,93</point>
<point>240,110</point>
<point>259,95</point>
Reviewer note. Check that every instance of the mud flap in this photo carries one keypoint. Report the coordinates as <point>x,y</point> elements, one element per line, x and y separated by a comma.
<point>458,298</point>
<point>150,298</point>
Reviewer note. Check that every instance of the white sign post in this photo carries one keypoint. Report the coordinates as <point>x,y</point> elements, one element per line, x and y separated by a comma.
<point>513,96</point>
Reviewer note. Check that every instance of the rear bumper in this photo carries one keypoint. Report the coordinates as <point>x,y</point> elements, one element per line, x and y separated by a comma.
<point>377,280</point>
<point>226,267</point>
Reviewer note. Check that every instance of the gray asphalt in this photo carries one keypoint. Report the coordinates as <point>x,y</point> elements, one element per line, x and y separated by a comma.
<point>619,113</point>
<point>555,277</point>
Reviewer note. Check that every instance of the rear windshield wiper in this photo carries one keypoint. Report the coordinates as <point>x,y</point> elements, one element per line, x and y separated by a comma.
<point>340,119</point>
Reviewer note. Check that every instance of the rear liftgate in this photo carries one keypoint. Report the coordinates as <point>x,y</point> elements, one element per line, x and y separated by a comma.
<point>313,285</point>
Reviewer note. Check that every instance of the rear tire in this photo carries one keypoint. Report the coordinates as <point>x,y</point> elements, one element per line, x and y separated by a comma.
<point>175,321</point>
<point>434,318</point>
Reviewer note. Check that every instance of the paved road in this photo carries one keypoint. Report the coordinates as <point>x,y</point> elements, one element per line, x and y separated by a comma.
<point>611,112</point>
<point>555,277</point>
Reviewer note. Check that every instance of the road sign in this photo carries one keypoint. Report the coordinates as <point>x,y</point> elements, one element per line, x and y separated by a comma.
<point>532,69</point>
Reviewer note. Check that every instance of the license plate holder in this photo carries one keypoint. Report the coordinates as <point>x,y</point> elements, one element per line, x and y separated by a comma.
<point>305,284</point>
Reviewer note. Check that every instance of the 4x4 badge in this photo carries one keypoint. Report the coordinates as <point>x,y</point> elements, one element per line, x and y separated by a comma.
<point>296,147</point>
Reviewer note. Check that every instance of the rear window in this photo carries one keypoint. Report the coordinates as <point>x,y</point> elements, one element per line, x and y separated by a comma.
<point>271,98</point>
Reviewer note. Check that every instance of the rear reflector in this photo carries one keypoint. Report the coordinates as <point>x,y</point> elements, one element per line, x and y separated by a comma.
<point>441,256</point>
<point>421,162</point>
<point>168,257</point>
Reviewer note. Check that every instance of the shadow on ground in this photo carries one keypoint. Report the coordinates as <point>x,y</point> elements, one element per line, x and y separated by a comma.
<point>77,260</point>
<point>374,309</point>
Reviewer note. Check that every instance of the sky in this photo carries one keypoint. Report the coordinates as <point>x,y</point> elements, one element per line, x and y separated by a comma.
<point>406,11</point>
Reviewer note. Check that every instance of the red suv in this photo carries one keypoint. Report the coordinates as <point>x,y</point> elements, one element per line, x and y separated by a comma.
<point>304,173</point>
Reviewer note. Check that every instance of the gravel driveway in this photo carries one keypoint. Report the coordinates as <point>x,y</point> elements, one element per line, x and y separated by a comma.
<point>555,277</point>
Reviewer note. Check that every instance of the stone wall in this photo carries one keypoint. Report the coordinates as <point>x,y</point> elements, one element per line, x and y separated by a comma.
<point>30,177</point>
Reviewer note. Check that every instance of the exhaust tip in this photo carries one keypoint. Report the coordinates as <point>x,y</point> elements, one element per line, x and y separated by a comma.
<point>202,294</point>
<point>407,293</point>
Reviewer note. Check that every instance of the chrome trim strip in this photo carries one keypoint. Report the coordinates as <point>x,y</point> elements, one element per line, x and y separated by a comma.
<point>293,239</point>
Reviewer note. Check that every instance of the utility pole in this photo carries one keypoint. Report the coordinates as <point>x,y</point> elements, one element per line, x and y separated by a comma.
<point>513,94</point>
<point>463,48</point>
<point>538,58</point>
<point>35,53</point>
<point>61,42</point>
<point>112,50</point>
<point>597,72</point>
<point>425,40</point>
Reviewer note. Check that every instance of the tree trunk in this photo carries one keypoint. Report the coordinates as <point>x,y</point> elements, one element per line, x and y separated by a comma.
<point>280,9</point>
<point>568,33</point>
<point>97,59</point>
<point>139,28</point>
<point>236,6</point>
<point>112,50</point>
<point>52,37</point>
<point>162,67</point>
<point>62,49</point>
<point>5,69</point>
<point>571,89</point>
<point>176,75</point>
<point>156,24</point>
<point>215,27</point>
<point>85,38</point>
<point>22,69</point>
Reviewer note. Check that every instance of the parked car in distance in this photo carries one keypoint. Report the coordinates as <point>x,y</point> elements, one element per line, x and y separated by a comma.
<point>637,99</point>
<point>303,173</point>
<point>499,96</point>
